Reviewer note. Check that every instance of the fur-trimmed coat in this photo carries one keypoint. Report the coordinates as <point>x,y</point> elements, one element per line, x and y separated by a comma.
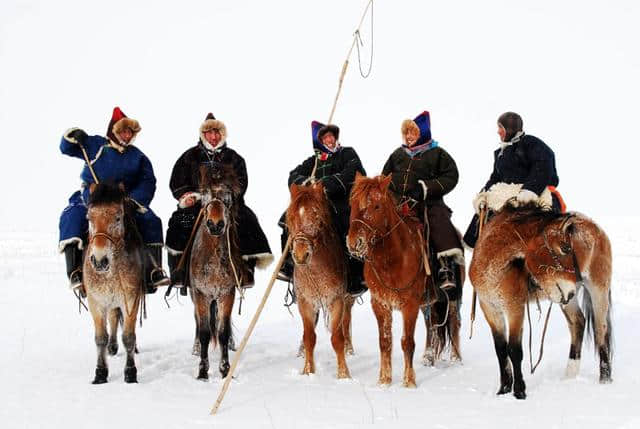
<point>114,163</point>
<point>185,174</point>
<point>528,161</point>
<point>337,173</point>
<point>433,171</point>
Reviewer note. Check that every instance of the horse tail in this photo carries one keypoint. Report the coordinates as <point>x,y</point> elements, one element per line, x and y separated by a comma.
<point>213,322</point>
<point>590,325</point>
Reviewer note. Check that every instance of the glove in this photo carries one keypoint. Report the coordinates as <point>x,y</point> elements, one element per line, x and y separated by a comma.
<point>416,193</point>
<point>332,186</point>
<point>480,201</point>
<point>77,136</point>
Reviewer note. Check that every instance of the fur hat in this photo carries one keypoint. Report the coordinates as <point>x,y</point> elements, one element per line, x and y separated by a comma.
<point>512,123</point>
<point>318,130</point>
<point>119,121</point>
<point>422,123</point>
<point>211,123</point>
<point>408,124</point>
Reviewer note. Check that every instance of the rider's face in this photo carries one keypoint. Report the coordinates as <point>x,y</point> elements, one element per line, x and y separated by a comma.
<point>213,137</point>
<point>126,135</point>
<point>411,136</point>
<point>329,141</point>
<point>502,132</point>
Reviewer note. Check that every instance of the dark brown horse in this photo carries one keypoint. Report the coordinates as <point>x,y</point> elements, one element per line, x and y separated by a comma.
<point>113,275</point>
<point>392,249</point>
<point>216,267</point>
<point>530,254</point>
<point>320,272</point>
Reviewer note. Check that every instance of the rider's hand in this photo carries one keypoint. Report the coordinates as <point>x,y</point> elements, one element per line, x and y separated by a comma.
<point>77,136</point>
<point>416,193</point>
<point>480,201</point>
<point>526,196</point>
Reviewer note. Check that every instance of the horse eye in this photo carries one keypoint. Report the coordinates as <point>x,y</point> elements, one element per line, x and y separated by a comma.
<point>565,248</point>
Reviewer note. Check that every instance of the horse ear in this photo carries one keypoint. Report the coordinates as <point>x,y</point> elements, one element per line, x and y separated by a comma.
<point>567,225</point>
<point>359,176</point>
<point>318,187</point>
<point>92,187</point>
<point>384,182</point>
<point>121,187</point>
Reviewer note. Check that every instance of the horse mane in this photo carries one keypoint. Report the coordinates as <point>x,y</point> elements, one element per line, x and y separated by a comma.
<point>215,173</point>
<point>306,195</point>
<point>364,187</point>
<point>532,213</point>
<point>110,193</point>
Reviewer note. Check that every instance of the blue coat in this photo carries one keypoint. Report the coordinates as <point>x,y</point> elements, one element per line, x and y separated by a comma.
<point>130,167</point>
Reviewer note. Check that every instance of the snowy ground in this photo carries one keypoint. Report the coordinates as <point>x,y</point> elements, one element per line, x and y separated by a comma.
<point>49,358</point>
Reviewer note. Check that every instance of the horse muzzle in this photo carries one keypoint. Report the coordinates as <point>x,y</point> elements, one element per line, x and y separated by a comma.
<point>358,249</point>
<point>215,228</point>
<point>100,264</point>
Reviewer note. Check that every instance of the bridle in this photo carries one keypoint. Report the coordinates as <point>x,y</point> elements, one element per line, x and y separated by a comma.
<point>376,237</point>
<point>105,235</point>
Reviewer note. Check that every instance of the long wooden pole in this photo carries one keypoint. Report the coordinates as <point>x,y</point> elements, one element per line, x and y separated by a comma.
<point>236,357</point>
<point>341,79</point>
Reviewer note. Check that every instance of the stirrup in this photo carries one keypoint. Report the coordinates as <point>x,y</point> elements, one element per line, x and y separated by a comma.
<point>162,281</point>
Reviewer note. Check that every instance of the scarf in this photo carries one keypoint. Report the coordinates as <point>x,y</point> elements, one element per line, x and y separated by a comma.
<point>418,149</point>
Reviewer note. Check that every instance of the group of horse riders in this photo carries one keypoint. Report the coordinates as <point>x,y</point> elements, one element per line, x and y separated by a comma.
<point>421,172</point>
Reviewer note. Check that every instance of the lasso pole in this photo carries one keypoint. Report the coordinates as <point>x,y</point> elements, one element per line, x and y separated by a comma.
<point>474,297</point>
<point>245,339</point>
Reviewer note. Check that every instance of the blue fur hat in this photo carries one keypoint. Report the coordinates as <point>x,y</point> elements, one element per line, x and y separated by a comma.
<point>423,121</point>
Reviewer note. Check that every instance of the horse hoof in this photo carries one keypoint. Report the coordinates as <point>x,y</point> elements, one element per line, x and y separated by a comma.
<point>520,395</point>
<point>606,380</point>
<point>348,350</point>
<point>503,390</point>
<point>131,375</point>
<point>411,384</point>
<point>112,349</point>
<point>203,375</point>
<point>224,370</point>
<point>343,375</point>
<point>101,376</point>
<point>384,382</point>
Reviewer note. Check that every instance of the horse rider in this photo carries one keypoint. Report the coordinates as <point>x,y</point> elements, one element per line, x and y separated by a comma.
<point>521,159</point>
<point>422,172</point>
<point>113,159</point>
<point>212,149</point>
<point>335,166</point>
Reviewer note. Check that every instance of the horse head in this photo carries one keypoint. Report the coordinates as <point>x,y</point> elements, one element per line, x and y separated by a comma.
<point>550,260</point>
<point>307,217</point>
<point>106,214</point>
<point>217,198</point>
<point>371,207</point>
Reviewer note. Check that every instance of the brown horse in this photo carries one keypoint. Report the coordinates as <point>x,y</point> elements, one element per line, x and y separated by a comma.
<point>113,275</point>
<point>392,249</point>
<point>215,267</point>
<point>530,254</point>
<point>320,272</point>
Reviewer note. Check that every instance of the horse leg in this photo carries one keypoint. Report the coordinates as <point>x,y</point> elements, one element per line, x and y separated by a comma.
<point>575,321</point>
<point>428,357</point>
<point>600,299</point>
<point>515,318</point>
<point>346,324</point>
<point>196,339</point>
<point>409,318</point>
<point>225,308</point>
<point>114,319</point>
<point>308,314</point>
<point>301,346</point>
<point>384,318</point>
<point>495,319</point>
<point>201,304</point>
<point>129,341</point>
<point>336,317</point>
<point>454,330</point>
<point>101,338</point>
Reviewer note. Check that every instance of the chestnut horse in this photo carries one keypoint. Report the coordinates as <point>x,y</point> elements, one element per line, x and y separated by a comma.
<point>113,275</point>
<point>320,272</point>
<point>215,267</point>
<point>392,249</point>
<point>530,254</point>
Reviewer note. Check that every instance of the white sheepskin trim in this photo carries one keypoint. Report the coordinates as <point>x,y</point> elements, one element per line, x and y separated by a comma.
<point>424,188</point>
<point>526,196</point>
<point>173,252</point>
<point>479,200</point>
<point>97,155</point>
<point>186,196</point>
<point>497,196</point>
<point>65,243</point>
<point>70,139</point>
<point>263,260</point>
<point>208,146</point>
<point>457,254</point>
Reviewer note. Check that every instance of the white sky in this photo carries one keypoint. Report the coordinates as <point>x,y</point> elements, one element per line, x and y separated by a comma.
<point>267,69</point>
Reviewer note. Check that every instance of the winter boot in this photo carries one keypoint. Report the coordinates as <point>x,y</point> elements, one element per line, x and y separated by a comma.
<point>73,259</point>
<point>446,273</point>
<point>248,281</point>
<point>356,285</point>
<point>154,274</point>
<point>286,270</point>
<point>177,275</point>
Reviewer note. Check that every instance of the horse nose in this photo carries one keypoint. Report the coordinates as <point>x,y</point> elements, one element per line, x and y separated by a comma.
<point>101,264</point>
<point>215,228</point>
